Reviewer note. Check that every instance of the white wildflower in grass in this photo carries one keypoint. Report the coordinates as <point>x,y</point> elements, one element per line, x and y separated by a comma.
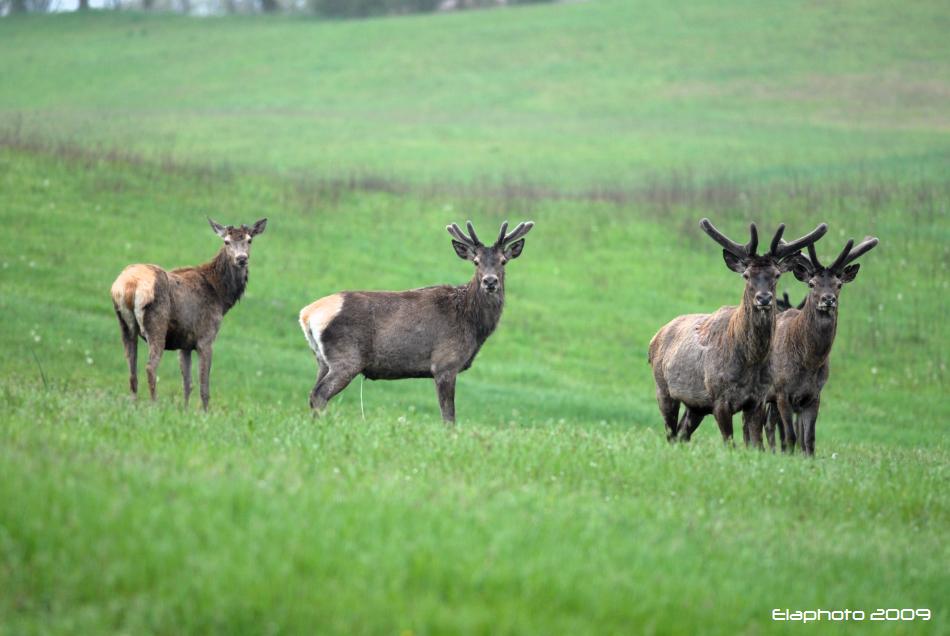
<point>88,360</point>
<point>402,419</point>
<point>32,264</point>
<point>873,370</point>
<point>259,373</point>
<point>36,338</point>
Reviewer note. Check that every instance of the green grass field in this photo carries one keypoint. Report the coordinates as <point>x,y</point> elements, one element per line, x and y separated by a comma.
<point>555,506</point>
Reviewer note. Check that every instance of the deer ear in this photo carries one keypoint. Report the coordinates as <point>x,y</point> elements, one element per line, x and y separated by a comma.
<point>514,250</point>
<point>799,266</point>
<point>733,262</point>
<point>850,273</point>
<point>259,227</point>
<point>219,229</point>
<point>464,251</point>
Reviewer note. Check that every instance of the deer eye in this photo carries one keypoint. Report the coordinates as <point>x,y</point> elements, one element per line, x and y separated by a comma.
<point>475,260</point>
<point>811,284</point>
<point>227,241</point>
<point>503,260</point>
<point>745,275</point>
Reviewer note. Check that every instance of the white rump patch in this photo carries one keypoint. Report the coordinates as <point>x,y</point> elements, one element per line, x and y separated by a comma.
<point>314,319</point>
<point>132,291</point>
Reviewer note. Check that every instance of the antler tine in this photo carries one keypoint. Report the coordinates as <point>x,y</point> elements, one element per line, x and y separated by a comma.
<point>501,235</point>
<point>777,239</point>
<point>865,246</point>
<point>522,229</point>
<point>459,236</point>
<point>471,232</point>
<point>787,249</point>
<point>813,255</point>
<point>839,263</point>
<point>727,243</point>
<point>753,243</point>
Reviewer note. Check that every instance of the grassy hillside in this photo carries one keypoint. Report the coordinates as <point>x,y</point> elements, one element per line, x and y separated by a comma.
<point>594,92</point>
<point>555,506</point>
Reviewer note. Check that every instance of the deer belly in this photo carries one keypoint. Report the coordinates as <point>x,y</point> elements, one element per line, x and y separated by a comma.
<point>400,359</point>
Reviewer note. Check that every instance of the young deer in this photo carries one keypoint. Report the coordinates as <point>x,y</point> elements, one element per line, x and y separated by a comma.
<point>182,309</point>
<point>432,332</point>
<point>803,340</point>
<point>718,363</point>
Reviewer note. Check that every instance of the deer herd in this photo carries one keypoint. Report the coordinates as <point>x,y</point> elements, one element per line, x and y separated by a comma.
<point>762,357</point>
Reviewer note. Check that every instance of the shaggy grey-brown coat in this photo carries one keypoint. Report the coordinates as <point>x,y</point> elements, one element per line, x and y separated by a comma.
<point>799,361</point>
<point>718,363</point>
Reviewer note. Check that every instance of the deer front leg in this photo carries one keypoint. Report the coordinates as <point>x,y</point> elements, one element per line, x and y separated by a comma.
<point>445,388</point>
<point>774,422</point>
<point>809,418</point>
<point>184,361</point>
<point>204,374</point>
<point>723,415</point>
<point>669,409</point>
<point>752,420</point>
<point>787,415</point>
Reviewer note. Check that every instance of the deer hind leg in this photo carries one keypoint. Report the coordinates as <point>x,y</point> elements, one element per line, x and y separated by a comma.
<point>131,346</point>
<point>184,360</point>
<point>156,346</point>
<point>333,381</point>
<point>692,418</point>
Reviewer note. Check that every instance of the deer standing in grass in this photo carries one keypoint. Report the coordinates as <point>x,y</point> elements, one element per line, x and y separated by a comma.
<point>802,347</point>
<point>182,309</point>
<point>719,363</point>
<point>432,332</point>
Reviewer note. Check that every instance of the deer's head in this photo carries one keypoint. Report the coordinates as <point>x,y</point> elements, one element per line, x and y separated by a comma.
<point>489,260</point>
<point>761,272</point>
<point>237,240</point>
<point>825,282</point>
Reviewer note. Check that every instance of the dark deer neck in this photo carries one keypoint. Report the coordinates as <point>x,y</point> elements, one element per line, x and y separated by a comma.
<point>750,330</point>
<point>816,332</point>
<point>225,279</point>
<point>480,309</point>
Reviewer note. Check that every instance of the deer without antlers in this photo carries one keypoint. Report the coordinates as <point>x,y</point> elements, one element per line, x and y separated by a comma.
<point>718,363</point>
<point>182,309</point>
<point>802,346</point>
<point>432,332</point>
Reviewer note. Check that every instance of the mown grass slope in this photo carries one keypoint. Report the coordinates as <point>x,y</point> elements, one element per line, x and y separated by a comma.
<point>555,506</point>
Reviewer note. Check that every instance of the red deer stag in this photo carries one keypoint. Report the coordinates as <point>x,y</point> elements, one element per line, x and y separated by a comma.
<point>802,347</point>
<point>718,363</point>
<point>182,309</point>
<point>432,332</point>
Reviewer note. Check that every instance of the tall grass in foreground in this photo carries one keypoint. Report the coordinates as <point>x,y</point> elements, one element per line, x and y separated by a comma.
<point>142,518</point>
